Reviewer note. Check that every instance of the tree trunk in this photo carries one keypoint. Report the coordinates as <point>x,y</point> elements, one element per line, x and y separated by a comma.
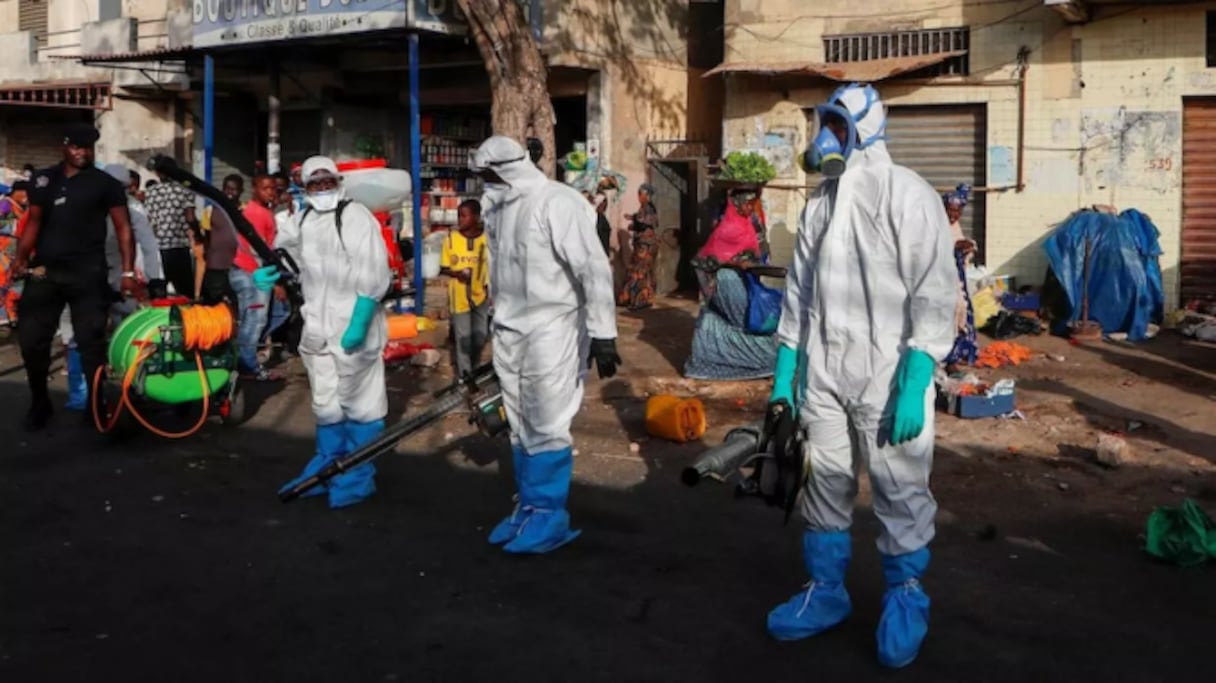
<point>519,86</point>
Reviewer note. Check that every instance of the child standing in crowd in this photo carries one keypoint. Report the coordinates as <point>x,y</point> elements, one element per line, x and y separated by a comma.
<point>465,261</point>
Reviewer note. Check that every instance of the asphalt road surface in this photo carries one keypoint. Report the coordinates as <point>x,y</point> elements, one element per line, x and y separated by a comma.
<point>166,561</point>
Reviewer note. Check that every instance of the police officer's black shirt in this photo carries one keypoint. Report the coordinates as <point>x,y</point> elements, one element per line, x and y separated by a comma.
<point>74,212</point>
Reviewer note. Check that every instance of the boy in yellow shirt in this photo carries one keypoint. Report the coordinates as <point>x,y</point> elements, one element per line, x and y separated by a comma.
<point>465,261</point>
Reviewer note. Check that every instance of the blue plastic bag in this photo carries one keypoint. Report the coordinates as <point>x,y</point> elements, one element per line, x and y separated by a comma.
<point>763,306</point>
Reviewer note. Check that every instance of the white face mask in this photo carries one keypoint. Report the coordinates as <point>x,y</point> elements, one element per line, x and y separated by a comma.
<point>324,201</point>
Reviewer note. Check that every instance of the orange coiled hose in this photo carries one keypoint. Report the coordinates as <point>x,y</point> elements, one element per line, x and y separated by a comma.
<point>203,329</point>
<point>206,327</point>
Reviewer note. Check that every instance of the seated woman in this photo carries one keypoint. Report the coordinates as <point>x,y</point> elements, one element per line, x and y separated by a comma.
<point>734,333</point>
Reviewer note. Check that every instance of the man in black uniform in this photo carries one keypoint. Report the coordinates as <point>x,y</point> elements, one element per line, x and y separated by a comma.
<point>63,253</point>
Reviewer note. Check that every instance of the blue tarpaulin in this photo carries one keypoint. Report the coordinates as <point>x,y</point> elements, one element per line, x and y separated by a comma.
<point>1125,290</point>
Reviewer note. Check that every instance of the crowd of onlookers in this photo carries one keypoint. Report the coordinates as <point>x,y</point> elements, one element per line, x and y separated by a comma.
<point>183,251</point>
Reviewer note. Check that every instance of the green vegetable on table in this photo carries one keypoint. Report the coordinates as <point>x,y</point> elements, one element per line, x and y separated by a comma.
<point>747,167</point>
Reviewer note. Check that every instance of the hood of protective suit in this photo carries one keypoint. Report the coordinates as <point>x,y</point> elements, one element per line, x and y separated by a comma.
<point>870,123</point>
<point>509,160</point>
<point>320,167</point>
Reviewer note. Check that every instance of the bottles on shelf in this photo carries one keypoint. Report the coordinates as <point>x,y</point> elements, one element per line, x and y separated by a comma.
<point>441,152</point>
<point>447,143</point>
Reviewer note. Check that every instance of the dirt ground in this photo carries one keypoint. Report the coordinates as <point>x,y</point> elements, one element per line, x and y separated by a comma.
<point>153,560</point>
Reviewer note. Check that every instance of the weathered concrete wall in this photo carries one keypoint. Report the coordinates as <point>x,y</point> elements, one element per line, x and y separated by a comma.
<point>1103,122</point>
<point>135,130</point>
<point>135,127</point>
<point>9,14</point>
<point>641,49</point>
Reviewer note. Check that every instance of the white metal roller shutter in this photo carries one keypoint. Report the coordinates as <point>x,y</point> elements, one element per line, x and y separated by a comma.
<point>35,136</point>
<point>946,145</point>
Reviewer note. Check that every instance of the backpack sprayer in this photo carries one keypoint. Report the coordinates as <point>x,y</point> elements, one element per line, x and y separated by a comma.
<point>766,456</point>
<point>472,391</point>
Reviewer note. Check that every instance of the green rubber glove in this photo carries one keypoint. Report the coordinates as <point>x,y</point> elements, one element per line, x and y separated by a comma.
<point>360,321</point>
<point>911,382</point>
<point>784,374</point>
<point>265,277</point>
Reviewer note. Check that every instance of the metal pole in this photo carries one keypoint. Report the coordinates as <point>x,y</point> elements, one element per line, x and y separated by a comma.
<point>208,115</point>
<point>273,104</point>
<point>416,176</point>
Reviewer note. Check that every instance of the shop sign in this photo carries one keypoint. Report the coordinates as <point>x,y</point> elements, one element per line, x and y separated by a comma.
<point>242,22</point>
<point>442,16</point>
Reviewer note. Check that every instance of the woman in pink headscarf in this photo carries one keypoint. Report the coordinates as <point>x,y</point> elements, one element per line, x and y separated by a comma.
<point>732,243</point>
<point>733,337</point>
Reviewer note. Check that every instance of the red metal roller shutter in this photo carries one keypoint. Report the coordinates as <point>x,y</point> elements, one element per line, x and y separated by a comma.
<point>1198,268</point>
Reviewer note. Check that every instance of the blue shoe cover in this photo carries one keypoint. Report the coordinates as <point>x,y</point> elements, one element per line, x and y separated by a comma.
<point>358,484</point>
<point>544,488</point>
<point>542,531</point>
<point>508,528</point>
<point>78,387</point>
<point>825,602</point>
<point>905,609</point>
<point>331,444</point>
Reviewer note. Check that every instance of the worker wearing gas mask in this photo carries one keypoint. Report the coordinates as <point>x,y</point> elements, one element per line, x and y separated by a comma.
<point>867,317</point>
<point>344,273</point>
<point>554,314</point>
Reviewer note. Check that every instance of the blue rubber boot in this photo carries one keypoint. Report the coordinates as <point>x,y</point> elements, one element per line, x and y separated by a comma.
<point>78,387</point>
<point>508,528</point>
<point>544,488</point>
<point>905,609</point>
<point>359,483</point>
<point>825,603</point>
<point>331,444</point>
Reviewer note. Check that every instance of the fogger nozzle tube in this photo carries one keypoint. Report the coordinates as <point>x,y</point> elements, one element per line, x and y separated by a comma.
<point>726,457</point>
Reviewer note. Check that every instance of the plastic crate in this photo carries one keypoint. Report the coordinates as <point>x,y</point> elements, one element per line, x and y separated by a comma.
<point>979,407</point>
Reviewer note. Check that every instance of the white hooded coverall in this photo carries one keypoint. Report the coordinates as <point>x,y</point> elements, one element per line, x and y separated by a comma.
<point>553,293</point>
<point>873,275</point>
<point>333,274</point>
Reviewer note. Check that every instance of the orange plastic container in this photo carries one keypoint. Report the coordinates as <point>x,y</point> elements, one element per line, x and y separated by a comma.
<point>402,326</point>
<point>675,419</point>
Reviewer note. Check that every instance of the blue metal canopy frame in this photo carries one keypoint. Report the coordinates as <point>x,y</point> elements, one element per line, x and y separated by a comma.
<point>415,153</point>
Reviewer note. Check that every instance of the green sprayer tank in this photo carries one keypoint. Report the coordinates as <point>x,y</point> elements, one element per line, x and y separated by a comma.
<point>170,374</point>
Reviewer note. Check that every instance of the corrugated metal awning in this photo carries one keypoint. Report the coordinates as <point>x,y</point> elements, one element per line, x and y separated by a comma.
<point>846,72</point>
<point>74,95</point>
<point>160,54</point>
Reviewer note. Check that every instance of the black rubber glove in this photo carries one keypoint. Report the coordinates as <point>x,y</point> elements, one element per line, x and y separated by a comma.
<point>604,355</point>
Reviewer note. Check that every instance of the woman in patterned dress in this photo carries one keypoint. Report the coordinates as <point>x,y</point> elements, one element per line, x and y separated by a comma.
<point>638,292</point>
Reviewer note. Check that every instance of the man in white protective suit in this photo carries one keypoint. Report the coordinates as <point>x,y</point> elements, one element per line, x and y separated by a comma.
<point>344,273</point>
<point>868,315</point>
<point>554,312</point>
